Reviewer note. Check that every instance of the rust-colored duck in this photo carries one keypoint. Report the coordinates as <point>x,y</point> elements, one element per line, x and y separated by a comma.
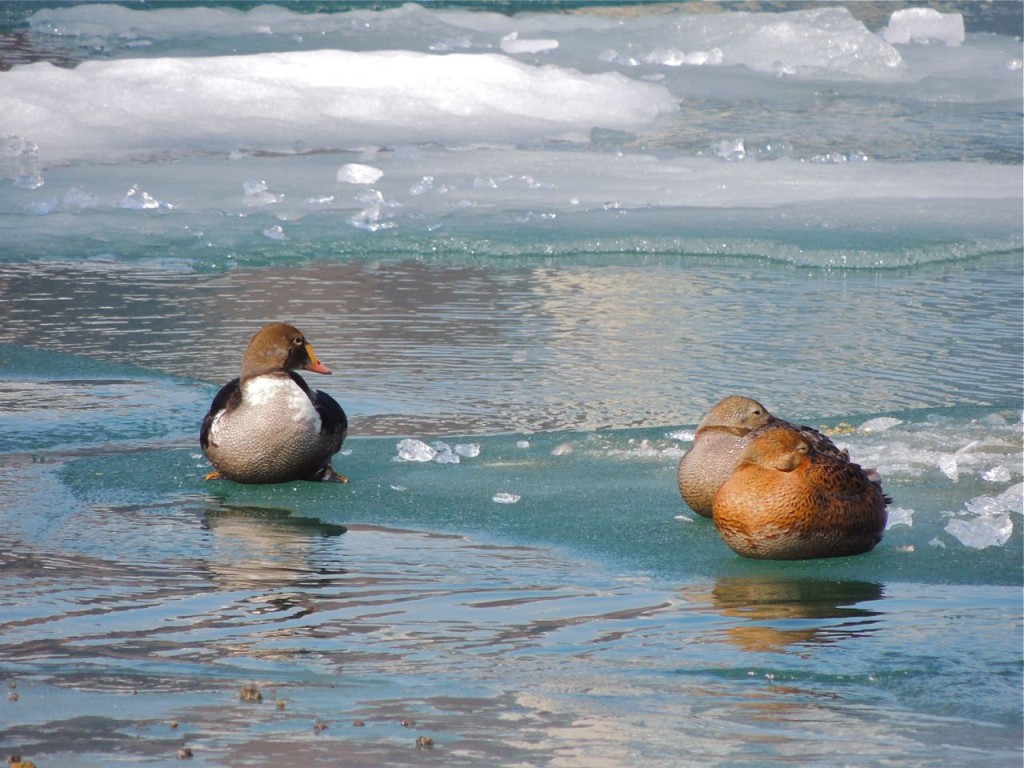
<point>789,500</point>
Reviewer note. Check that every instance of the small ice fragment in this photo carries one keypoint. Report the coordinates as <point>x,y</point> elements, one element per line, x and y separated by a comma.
<point>511,44</point>
<point>505,498</point>
<point>948,465</point>
<point>19,161</point>
<point>138,200</point>
<point>469,450</point>
<point>669,57</point>
<point>422,186</point>
<point>522,443</point>
<point>447,457</point>
<point>922,25</point>
<point>275,232</point>
<point>683,519</point>
<point>983,531</point>
<point>900,516</point>
<point>415,450</point>
<point>253,187</point>
<point>686,435</point>
<point>880,424</point>
<point>398,488</point>
<point>937,542</point>
<point>320,200</point>
<point>562,449</point>
<point>1000,474</point>
<point>731,150</point>
<point>356,173</point>
<point>257,193</point>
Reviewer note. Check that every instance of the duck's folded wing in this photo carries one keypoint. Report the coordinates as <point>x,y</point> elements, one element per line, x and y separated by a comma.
<point>228,397</point>
<point>333,420</point>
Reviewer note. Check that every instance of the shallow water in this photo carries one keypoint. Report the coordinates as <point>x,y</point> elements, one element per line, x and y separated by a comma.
<point>566,296</point>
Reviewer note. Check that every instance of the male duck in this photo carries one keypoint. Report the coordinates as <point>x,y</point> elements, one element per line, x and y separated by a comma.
<point>722,435</point>
<point>787,500</point>
<point>268,426</point>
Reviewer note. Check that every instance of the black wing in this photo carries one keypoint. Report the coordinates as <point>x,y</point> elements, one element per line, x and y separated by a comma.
<point>333,421</point>
<point>229,397</point>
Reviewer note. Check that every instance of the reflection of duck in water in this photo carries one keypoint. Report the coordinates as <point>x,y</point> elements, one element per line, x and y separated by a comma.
<point>721,437</point>
<point>766,608</point>
<point>268,426</point>
<point>264,548</point>
<point>788,500</point>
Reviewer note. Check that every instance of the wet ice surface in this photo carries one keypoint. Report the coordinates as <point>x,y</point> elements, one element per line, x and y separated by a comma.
<point>560,627</point>
<point>534,253</point>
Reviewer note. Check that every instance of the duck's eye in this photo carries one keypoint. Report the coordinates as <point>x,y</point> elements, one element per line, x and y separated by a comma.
<point>298,342</point>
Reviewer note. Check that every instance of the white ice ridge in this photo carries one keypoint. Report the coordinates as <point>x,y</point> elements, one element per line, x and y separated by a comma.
<point>328,98</point>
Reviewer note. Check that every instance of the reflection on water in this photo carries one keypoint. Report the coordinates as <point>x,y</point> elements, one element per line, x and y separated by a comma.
<point>777,613</point>
<point>504,655</point>
<point>460,348</point>
<point>257,546</point>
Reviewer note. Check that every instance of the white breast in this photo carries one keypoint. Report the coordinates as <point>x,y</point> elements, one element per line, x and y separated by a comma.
<point>283,396</point>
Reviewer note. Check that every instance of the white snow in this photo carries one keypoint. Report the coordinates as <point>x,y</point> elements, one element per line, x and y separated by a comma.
<point>417,121</point>
<point>327,98</point>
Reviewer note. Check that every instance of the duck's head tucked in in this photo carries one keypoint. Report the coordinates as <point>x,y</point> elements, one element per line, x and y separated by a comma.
<point>787,500</point>
<point>720,438</point>
<point>268,426</point>
<point>736,414</point>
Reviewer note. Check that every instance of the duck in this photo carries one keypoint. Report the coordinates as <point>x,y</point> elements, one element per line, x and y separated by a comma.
<point>267,425</point>
<point>721,437</point>
<point>788,500</point>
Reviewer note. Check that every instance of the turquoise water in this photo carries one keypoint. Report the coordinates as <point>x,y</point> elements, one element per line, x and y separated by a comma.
<point>570,307</point>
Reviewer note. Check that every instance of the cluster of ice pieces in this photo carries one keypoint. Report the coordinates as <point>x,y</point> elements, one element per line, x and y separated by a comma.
<point>990,524</point>
<point>411,449</point>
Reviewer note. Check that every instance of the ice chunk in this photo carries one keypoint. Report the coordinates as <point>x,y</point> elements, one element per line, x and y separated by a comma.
<point>469,450</point>
<point>19,162</point>
<point>948,466</point>
<point>505,498</point>
<point>900,516</point>
<point>998,474</point>
<point>357,173</point>
<point>257,193</point>
<point>880,424</point>
<point>922,25</point>
<point>422,186</point>
<point>275,232</point>
<point>729,149</point>
<point>415,450</point>
<point>522,443</point>
<point>1010,500</point>
<point>138,200</point>
<point>982,531</point>
<point>511,44</point>
<point>562,449</point>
